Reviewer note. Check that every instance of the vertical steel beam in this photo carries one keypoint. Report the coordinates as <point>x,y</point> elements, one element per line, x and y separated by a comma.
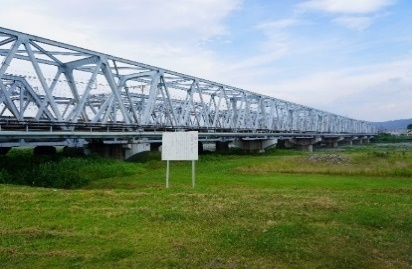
<point>168,100</point>
<point>149,106</point>
<point>112,84</point>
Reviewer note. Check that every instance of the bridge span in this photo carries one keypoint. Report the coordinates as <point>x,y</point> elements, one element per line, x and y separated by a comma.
<point>53,93</point>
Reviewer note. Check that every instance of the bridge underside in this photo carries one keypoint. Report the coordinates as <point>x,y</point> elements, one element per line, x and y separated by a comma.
<point>123,145</point>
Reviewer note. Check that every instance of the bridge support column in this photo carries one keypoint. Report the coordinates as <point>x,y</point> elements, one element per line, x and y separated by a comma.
<point>117,151</point>
<point>285,144</point>
<point>256,145</point>
<point>357,141</point>
<point>222,145</point>
<point>348,141</point>
<point>305,143</point>
<point>332,142</point>
<point>114,151</point>
<point>366,139</point>
<point>270,143</point>
<point>134,148</point>
<point>282,144</point>
<point>250,145</point>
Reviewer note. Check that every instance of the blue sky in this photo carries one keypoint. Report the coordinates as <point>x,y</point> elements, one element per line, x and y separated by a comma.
<point>353,58</point>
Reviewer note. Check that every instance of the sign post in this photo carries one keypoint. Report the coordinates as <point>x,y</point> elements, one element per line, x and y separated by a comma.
<point>167,173</point>
<point>193,174</point>
<point>180,146</point>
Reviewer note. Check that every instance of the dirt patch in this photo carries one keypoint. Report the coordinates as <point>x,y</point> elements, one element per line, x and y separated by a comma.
<point>327,158</point>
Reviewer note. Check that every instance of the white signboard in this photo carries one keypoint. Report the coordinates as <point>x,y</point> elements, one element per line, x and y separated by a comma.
<point>180,146</point>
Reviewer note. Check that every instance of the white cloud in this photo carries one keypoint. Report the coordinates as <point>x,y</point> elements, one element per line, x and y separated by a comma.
<point>275,45</point>
<point>345,6</point>
<point>280,24</point>
<point>146,15</point>
<point>31,22</point>
<point>356,15</point>
<point>180,20</point>
<point>364,92</point>
<point>355,23</point>
<point>165,33</point>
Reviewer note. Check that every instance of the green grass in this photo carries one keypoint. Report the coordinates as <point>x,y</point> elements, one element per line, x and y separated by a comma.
<point>267,211</point>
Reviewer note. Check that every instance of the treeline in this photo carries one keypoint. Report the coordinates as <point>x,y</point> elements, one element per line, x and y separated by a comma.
<point>388,138</point>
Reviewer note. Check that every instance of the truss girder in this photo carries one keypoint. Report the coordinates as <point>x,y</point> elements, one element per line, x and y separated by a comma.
<point>48,80</point>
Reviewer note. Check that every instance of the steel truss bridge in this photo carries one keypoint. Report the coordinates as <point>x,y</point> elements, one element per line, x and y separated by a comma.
<point>53,91</point>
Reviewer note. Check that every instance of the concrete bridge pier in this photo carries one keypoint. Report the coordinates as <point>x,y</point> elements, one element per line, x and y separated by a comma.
<point>222,145</point>
<point>304,143</point>
<point>250,145</point>
<point>119,151</point>
<point>361,140</point>
<point>366,139</point>
<point>269,143</point>
<point>357,140</point>
<point>105,150</point>
<point>133,148</point>
<point>258,145</point>
<point>332,142</point>
<point>347,141</point>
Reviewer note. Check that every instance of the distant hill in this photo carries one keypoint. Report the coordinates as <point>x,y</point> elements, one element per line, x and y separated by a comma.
<point>393,124</point>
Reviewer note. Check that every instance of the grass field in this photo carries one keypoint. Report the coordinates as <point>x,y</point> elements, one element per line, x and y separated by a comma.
<point>277,210</point>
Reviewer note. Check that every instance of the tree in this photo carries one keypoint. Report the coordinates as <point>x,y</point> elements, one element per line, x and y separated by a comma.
<point>409,127</point>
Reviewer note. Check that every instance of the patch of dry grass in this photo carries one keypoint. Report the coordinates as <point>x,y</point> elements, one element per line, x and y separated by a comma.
<point>361,164</point>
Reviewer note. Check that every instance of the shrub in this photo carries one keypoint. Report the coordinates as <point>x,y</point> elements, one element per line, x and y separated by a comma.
<point>21,167</point>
